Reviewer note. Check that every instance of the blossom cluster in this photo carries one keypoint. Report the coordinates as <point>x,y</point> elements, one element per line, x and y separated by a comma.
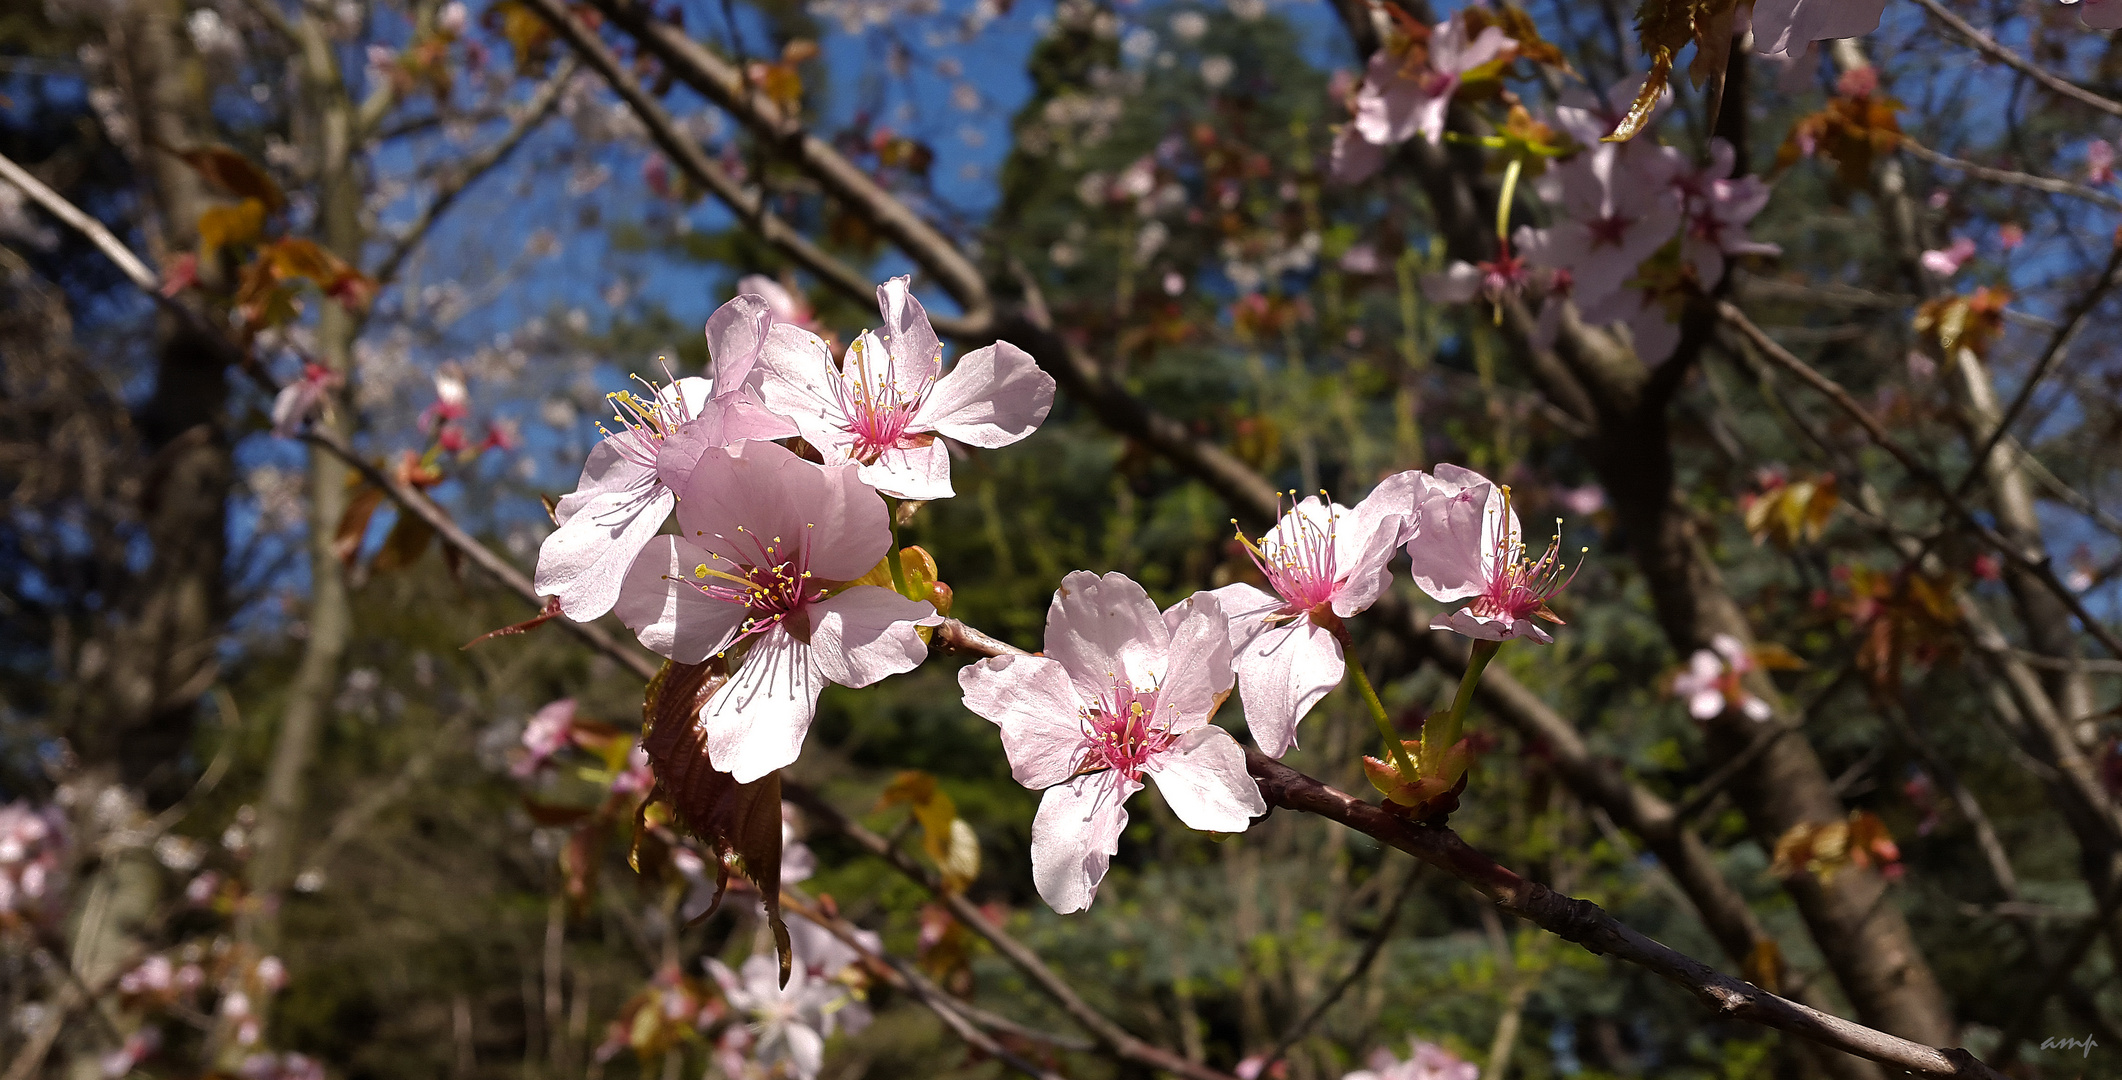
<point>769,565</point>
<point>1124,691</point>
<point>32,849</point>
<point>769,546</point>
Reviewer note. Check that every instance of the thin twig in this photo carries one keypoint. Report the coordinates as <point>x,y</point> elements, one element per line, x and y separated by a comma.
<point>1389,919</point>
<point>77,219</point>
<point>541,105</point>
<point>2039,564</point>
<point>2008,176</point>
<point>1988,46</point>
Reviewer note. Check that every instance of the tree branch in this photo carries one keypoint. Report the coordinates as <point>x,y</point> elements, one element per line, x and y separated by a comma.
<point>468,172</point>
<point>1988,46</point>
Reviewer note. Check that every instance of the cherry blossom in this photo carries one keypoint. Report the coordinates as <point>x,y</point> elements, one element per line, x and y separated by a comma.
<point>1787,26</point>
<point>1399,99</point>
<point>2100,162</point>
<point>1947,261</point>
<point>1717,209</point>
<point>788,1024</point>
<point>1617,210</point>
<point>766,539</point>
<point>783,305</point>
<point>1121,692</point>
<point>1491,281</point>
<point>299,400</point>
<point>1323,562</point>
<point>1714,681</point>
<point>1426,1061</point>
<point>885,405</point>
<point>626,490</point>
<point>547,733</point>
<point>32,846</point>
<point>1468,545</point>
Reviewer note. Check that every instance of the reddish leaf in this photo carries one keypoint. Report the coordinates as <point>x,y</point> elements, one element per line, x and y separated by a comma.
<point>232,172</point>
<point>353,523</point>
<point>406,542</point>
<point>741,823</point>
<point>552,611</point>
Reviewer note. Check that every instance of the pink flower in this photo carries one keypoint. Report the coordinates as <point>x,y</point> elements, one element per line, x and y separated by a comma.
<point>1712,681</point>
<point>1617,210</point>
<point>1355,158</point>
<point>788,1024</point>
<point>1427,1062</point>
<point>625,493</point>
<point>888,402</point>
<point>1717,210</point>
<point>1947,261</point>
<point>547,734</point>
<point>1121,692</point>
<point>1396,101</point>
<point>453,399</point>
<point>2100,162</point>
<point>299,400</point>
<point>1467,544</point>
<point>785,306</point>
<point>1324,562</point>
<point>1788,26</point>
<point>765,537</point>
<point>1462,281</point>
<point>1651,330</point>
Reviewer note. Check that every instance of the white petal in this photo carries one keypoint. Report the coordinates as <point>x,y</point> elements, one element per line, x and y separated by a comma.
<point>797,379</point>
<point>736,335</point>
<point>993,396</point>
<point>916,354</point>
<point>806,1051</point>
<point>1203,778</point>
<point>1282,673</point>
<point>1031,700</point>
<point>602,528</point>
<point>1366,538</point>
<point>1197,668</point>
<point>1075,835</point>
<point>1098,625</point>
<point>670,616</point>
<point>912,472</point>
<point>1451,534</point>
<point>868,633</point>
<point>756,722</point>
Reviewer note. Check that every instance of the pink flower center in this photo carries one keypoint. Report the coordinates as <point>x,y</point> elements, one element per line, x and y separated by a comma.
<point>773,583</point>
<point>877,411</point>
<point>1121,733</point>
<point>1520,587</point>
<point>1298,561</point>
<point>1609,231</point>
<point>644,422</point>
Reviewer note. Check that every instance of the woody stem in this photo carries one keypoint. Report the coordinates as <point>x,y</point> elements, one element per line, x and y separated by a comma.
<point>1441,734</point>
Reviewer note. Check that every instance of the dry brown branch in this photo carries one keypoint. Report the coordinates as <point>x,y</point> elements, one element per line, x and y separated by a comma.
<point>1988,46</point>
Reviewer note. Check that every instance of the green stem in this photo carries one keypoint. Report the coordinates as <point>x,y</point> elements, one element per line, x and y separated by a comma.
<point>891,558</point>
<point>1510,193</point>
<point>1440,735</point>
<point>1377,712</point>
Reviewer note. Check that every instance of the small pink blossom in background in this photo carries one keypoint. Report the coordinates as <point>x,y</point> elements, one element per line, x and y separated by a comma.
<point>1921,366</point>
<point>32,847</point>
<point>889,405</point>
<point>1254,1067</point>
<point>299,400</point>
<point>453,397</point>
<point>1461,282</point>
<point>628,485</point>
<point>1425,1061</point>
<point>1939,198</point>
<point>784,305</point>
<point>655,173</point>
<point>1717,210</point>
<point>1583,500</point>
<point>271,974</point>
<point>453,19</point>
<point>200,890</point>
<point>763,533</point>
<point>1395,103</point>
<point>1616,209</point>
<point>138,1047</point>
<point>1787,26</point>
<point>1947,261</point>
<point>280,1067</point>
<point>1323,562</point>
<point>547,733</point>
<point>2010,235</point>
<point>2100,162</point>
<point>1713,681</point>
<point>788,1025</point>
<point>1354,158</point>
<point>1860,82</point>
<point>1468,545</point>
<point>1123,691</point>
